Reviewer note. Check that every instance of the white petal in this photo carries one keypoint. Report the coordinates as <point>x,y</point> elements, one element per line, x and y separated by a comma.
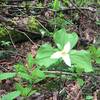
<point>56,55</point>
<point>66,59</point>
<point>67,47</point>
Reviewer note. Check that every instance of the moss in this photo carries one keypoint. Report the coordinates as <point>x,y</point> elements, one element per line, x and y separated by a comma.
<point>32,24</point>
<point>3,31</point>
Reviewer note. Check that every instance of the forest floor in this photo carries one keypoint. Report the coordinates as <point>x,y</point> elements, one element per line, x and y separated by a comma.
<point>88,32</point>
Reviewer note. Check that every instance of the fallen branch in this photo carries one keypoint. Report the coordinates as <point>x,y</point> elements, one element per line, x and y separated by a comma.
<point>81,8</point>
<point>59,72</point>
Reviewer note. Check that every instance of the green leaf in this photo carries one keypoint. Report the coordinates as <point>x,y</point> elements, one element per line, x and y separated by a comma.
<point>20,68</point>
<point>43,55</point>
<point>7,75</point>
<point>95,53</point>
<point>79,70</point>
<point>80,81</point>
<point>61,37</point>
<point>19,87</point>
<point>11,95</point>
<point>25,76</point>
<point>37,75</point>
<point>56,5</point>
<point>73,38</point>
<point>97,60</point>
<point>97,56</point>
<point>98,52</point>
<point>98,22</point>
<point>24,91</point>
<point>92,50</point>
<point>30,60</point>
<point>82,60</point>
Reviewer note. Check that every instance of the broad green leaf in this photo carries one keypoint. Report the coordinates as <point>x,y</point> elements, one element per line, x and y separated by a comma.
<point>20,68</point>
<point>73,38</point>
<point>97,60</point>
<point>79,70</point>
<point>98,52</point>
<point>7,75</point>
<point>25,76</point>
<point>61,37</point>
<point>56,5</point>
<point>45,50</point>
<point>43,55</point>
<point>30,60</point>
<point>37,75</point>
<point>11,95</point>
<point>82,60</point>
<point>19,87</point>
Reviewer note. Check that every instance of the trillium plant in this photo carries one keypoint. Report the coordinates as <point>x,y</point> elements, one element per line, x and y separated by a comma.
<point>63,52</point>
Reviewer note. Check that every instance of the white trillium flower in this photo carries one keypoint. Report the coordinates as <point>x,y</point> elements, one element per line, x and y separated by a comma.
<point>64,54</point>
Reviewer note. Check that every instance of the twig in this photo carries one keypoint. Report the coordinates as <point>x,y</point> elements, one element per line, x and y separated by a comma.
<point>81,8</point>
<point>27,37</point>
<point>11,40</point>
<point>22,33</point>
<point>62,9</point>
<point>59,72</point>
<point>43,27</point>
<point>14,46</point>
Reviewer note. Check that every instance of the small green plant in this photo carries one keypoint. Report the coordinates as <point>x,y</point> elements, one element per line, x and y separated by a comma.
<point>6,76</point>
<point>60,22</point>
<point>56,5</point>
<point>95,54</point>
<point>10,96</point>
<point>81,3</point>
<point>5,43</point>
<point>98,22</point>
<point>25,91</point>
<point>26,72</point>
<point>2,30</point>
<point>89,97</point>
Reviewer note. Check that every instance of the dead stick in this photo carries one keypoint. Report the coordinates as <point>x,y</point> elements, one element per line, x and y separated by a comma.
<point>59,72</point>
